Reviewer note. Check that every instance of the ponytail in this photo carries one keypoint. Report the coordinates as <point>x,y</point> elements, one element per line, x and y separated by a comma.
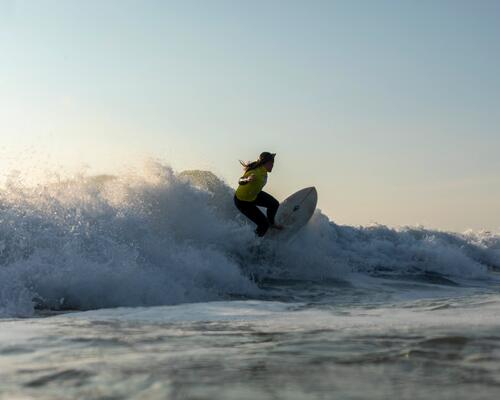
<point>248,166</point>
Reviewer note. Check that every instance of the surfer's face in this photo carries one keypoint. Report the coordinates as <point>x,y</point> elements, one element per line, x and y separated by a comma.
<point>269,165</point>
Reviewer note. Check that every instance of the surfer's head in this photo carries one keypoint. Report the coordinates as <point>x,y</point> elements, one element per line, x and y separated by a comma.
<point>266,159</point>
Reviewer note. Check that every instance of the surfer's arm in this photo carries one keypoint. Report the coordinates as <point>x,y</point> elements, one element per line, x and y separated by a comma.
<point>245,179</point>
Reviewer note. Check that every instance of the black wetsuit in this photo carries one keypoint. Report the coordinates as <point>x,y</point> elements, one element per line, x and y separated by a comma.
<point>250,210</point>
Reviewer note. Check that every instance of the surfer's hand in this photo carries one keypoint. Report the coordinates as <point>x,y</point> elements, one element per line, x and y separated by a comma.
<point>245,180</point>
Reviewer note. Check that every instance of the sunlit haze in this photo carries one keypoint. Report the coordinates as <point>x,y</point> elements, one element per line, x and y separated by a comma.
<point>390,108</point>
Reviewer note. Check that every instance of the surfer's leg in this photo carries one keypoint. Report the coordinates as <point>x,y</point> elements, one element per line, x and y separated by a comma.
<point>266,200</point>
<point>250,210</point>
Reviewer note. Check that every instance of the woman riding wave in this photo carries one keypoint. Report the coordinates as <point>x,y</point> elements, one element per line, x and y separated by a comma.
<point>249,194</point>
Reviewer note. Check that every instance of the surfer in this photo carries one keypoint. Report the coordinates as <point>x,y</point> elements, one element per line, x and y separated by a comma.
<point>249,194</point>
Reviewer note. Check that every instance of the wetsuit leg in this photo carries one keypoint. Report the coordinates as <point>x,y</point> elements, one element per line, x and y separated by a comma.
<point>250,210</point>
<point>266,200</point>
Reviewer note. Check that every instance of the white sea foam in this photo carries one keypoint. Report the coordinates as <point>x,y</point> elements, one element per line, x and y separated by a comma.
<point>468,312</point>
<point>156,237</point>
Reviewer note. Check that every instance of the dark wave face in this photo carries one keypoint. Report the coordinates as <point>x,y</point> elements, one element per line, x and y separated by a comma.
<point>160,238</point>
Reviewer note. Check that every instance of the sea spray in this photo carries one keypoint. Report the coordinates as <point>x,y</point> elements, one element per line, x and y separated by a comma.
<point>97,242</point>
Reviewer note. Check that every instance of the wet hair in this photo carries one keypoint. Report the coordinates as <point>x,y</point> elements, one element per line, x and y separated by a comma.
<point>248,166</point>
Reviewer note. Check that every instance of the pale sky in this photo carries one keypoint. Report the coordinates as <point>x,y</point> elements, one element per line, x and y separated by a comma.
<point>390,108</point>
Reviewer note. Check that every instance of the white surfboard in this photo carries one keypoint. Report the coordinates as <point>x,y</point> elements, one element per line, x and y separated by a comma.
<point>294,212</point>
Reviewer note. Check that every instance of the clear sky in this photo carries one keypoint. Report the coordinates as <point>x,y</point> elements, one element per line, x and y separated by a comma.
<point>390,108</point>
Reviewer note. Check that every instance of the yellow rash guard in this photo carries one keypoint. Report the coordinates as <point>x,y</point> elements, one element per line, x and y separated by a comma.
<point>250,190</point>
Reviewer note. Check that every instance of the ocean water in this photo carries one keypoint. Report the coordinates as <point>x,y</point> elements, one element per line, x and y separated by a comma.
<point>151,286</point>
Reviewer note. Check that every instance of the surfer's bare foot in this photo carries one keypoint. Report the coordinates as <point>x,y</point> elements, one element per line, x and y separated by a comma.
<point>277,226</point>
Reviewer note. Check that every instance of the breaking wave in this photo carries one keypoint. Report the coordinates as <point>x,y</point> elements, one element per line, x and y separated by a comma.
<point>160,237</point>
